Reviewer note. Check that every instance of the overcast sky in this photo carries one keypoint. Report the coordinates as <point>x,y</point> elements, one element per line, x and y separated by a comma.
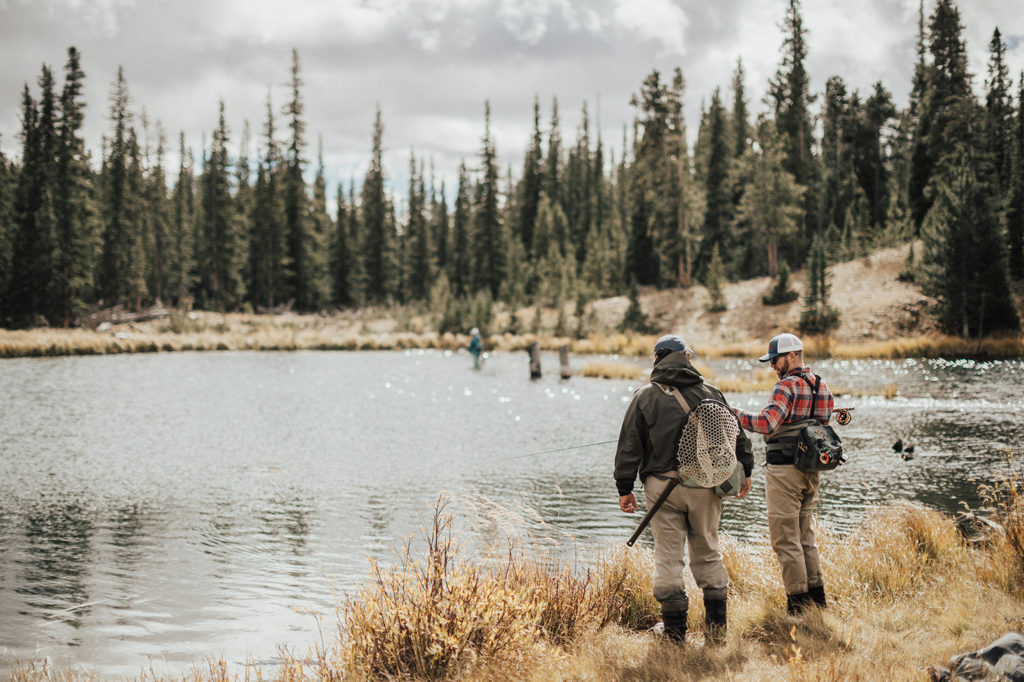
<point>431,64</point>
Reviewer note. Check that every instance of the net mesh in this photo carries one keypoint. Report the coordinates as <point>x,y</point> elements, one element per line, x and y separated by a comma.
<point>707,446</point>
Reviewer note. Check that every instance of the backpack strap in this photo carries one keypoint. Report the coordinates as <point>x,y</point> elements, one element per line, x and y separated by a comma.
<point>677,394</point>
<point>814,392</point>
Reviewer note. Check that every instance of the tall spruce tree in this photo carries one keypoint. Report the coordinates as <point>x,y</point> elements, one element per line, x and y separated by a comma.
<point>1015,200</point>
<point>772,204</point>
<point>77,243</point>
<point>718,201</point>
<point>790,95</point>
<point>181,233</point>
<point>342,252</point>
<point>115,210</point>
<point>461,261</point>
<point>300,274</point>
<point>30,295</point>
<point>320,229</point>
<point>999,117</point>
<point>268,240</point>
<point>222,256</point>
<point>946,110</point>
<point>419,254</point>
<point>6,233</point>
<point>652,214</point>
<point>488,237</point>
<point>740,117</point>
<point>965,266</point>
<point>440,228</point>
<point>552,177</point>
<point>379,238</point>
<point>531,183</point>
<point>156,207</point>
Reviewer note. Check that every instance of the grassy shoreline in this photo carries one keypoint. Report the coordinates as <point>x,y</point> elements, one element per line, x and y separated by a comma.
<point>906,592</point>
<point>240,332</point>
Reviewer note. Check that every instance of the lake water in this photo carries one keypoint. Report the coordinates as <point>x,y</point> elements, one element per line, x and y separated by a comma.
<point>158,509</point>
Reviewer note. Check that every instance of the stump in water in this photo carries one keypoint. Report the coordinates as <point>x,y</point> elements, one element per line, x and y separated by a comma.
<point>563,356</point>
<point>534,350</point>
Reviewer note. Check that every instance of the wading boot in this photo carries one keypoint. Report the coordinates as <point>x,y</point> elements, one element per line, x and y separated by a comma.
<point>818,595</point>
<point>714,620</point>
<point>675,625</point>
<point>796,603</point>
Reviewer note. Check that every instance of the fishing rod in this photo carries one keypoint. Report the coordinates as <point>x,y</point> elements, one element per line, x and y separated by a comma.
<point>843,416</point>
<point>571,447</point>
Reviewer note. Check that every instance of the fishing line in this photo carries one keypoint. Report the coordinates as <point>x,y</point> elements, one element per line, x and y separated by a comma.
<point>571,447</point>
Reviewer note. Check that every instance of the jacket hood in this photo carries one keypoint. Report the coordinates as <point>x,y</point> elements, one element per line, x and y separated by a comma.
<point>675,370</point>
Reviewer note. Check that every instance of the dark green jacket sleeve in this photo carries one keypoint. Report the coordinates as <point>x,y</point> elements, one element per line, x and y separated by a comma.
<point>633,448</point>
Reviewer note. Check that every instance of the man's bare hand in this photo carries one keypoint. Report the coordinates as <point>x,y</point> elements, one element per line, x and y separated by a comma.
<point>627,503</point>
<point>744,489</point>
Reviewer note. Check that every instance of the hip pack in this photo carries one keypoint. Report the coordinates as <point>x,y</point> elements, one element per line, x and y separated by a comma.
<point>816,447</point>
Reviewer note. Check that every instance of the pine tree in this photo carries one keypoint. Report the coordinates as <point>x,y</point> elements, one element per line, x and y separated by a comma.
<point>965,266</point>
<point>999,117</point>
<point>740,122</point>
<point>118,231</point>
<point>223,258</point>
<point>947,107</point>
<point>268,245</point>
<point>460,272</point>
<point>489,243</point>
<point>552,178</point>
<point>771,206</point>
<point>818,316</point>
<point>440,228</point>
<point>718,199</point>
<point>29,294</point>
<point>342,293</point>
<point>419,257</point>
<point>7,182</point>
<point>181,246</point>
<point>1015,199</point>
<point>77,242</point>
<point>318,237</point>
<point>379,237</point>
<point>713,280</point>
<point>158,217</point>
<point>300,274</point>
<point>790,94</point>
<point>531,183</point>
<point>652,214</point>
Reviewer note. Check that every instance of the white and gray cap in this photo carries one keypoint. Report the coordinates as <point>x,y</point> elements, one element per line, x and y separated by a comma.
<point>780,345</point>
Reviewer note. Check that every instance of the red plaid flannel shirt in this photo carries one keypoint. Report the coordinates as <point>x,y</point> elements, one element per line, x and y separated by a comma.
<point>790,402</point>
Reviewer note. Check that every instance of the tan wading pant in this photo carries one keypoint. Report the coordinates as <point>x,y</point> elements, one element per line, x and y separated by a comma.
<point>688,514</point>
<point>791,496</point>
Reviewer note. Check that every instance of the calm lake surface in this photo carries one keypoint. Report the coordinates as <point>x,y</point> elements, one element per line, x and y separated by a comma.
<point>158,509</point>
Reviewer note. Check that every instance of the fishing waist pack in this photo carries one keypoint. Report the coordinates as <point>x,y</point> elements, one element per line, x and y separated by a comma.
<point>706,451</point>
<point>808,445</point>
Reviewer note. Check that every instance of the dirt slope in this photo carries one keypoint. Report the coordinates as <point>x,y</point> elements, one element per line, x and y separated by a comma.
<point>872,302</point>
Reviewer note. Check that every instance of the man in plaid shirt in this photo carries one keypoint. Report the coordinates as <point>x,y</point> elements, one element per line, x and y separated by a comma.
<point>791,495</point>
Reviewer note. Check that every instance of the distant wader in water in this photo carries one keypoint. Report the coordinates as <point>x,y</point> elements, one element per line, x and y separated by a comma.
<point>476,347</point>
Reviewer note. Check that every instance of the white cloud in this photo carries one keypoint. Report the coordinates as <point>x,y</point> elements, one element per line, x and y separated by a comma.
<point>660,21</point>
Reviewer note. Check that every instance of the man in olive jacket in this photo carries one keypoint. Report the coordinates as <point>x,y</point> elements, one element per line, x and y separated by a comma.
<point>647,446</point>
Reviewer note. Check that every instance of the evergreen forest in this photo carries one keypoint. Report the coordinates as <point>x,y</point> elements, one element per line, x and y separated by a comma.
<point>817,178</point>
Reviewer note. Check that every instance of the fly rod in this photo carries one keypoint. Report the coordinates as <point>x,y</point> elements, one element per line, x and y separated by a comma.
<point>571,447</point>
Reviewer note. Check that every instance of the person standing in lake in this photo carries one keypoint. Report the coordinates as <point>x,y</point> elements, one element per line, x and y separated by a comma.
<point>476,346</point>
<point>648,444</point>
<point>790,494</point>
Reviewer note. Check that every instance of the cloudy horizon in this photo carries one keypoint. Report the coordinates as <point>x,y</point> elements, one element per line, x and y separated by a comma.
<point>431,64</point>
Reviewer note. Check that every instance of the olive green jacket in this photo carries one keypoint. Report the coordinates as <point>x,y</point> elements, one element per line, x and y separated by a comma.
<point>654,421</point>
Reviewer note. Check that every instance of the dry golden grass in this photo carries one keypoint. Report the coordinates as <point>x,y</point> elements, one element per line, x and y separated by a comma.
<point>202,331</point>
<point>613,370</point>
<point>905,592</point>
